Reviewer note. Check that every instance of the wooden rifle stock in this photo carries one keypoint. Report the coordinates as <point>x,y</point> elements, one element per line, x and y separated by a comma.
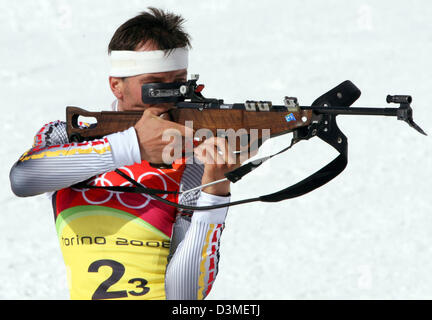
<point>108,122</point>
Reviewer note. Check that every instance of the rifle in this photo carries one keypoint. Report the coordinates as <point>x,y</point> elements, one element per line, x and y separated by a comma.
<point>304,122</point>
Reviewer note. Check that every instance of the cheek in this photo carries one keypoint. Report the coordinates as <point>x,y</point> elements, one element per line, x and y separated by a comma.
<point>132,92</point>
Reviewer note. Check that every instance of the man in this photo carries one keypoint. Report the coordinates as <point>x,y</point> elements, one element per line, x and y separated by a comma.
<point>126,245</point>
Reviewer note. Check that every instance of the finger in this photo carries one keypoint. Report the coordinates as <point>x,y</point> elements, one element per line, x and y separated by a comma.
<point>158,110</point>
<point>199,156</point>
<point>223,152</point>
<point>206,153</point>
<point>226,150</point>
<point>165,116</point>
<point>199,153</point>
<point>220,151</point>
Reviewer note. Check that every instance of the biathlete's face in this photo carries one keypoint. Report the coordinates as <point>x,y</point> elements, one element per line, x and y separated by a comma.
<point>128,90</point>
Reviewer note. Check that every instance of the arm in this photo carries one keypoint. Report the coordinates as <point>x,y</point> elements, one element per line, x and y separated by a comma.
<point>192,270</point>
<point>53,163</point>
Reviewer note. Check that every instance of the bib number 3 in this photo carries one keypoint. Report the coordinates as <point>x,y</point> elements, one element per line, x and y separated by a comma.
<point>118,271</point>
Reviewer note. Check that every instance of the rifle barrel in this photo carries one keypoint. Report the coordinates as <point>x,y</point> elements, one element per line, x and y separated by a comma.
<point>372,111</point>
<point>369,111</point>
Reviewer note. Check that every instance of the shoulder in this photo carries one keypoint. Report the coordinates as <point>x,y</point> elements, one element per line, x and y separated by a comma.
<point>53,132</point>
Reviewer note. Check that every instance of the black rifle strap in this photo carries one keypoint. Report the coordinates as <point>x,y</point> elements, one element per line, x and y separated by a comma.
<point>314,181</point>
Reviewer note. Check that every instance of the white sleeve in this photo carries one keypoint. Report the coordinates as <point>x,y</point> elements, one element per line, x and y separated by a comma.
<point>124,147</point>
<point>53,163</point>
<point>193,268</point>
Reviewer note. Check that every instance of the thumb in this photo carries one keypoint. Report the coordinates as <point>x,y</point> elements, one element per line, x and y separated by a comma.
<point>157,110</point>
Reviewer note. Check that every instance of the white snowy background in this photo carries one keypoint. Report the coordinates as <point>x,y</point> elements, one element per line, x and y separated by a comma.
<point>365,235</point>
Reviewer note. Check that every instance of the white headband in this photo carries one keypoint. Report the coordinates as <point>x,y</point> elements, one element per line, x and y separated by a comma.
<point>131,63</point>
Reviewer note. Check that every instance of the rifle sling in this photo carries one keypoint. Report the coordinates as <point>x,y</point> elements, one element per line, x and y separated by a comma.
<point>141,189</point>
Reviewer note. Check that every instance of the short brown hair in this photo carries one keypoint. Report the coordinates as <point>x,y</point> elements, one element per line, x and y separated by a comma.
<point>164,29</point>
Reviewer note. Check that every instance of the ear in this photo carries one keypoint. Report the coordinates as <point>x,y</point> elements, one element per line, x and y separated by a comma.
<point>117,87</point>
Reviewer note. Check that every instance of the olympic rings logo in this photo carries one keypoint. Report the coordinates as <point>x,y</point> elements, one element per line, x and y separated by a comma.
<point>129,200</point>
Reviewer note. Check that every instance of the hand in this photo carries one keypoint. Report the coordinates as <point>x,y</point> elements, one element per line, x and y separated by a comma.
<point>218,158</point>
<point>150,131</point>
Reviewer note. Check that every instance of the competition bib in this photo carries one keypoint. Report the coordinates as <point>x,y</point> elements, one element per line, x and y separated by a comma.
<point>110,254</point>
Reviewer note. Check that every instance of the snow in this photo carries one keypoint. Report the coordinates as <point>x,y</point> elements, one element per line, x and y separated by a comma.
<point>365,235</point>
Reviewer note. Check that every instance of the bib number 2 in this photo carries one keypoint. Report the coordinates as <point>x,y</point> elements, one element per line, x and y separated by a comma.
<point>118,271</point>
